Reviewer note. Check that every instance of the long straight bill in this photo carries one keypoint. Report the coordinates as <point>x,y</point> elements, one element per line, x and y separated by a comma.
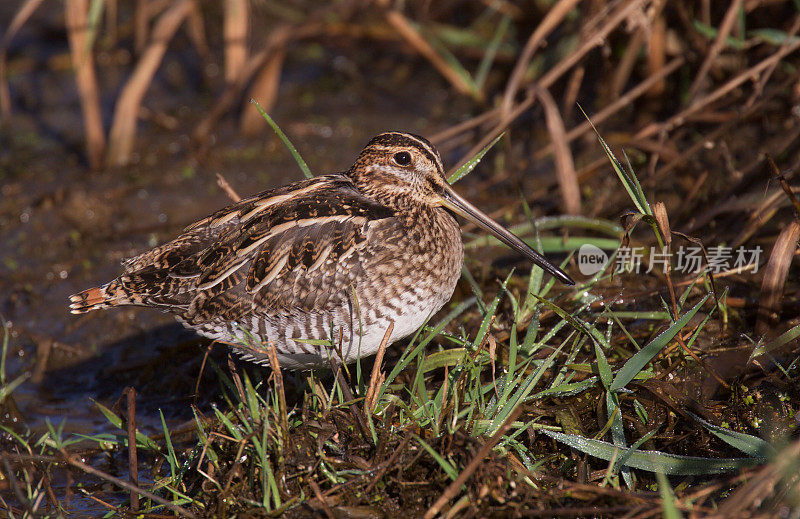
<point>451,200</point>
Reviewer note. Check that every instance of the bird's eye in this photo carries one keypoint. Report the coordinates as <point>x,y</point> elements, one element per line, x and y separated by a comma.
<point>402,158</point>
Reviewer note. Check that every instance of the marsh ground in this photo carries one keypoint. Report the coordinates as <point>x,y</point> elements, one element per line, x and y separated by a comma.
<point>504,356</point>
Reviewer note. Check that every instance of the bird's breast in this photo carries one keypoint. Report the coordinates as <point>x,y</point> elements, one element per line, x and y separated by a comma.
<point>414,266</point>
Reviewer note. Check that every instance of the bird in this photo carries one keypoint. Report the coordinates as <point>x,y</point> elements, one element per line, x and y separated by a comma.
<point>319,268</point>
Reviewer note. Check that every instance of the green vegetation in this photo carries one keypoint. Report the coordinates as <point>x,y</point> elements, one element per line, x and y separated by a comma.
<point>660,394</point>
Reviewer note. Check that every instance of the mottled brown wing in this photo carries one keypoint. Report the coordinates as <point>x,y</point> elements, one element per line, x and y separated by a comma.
<point>288,256</point>
<point>300,270</point>
<point>154,278</point>
<point>308,268</point>
<point>167,276</point>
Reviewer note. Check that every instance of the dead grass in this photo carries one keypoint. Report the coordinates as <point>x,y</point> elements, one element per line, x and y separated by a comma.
<point>526,399</point>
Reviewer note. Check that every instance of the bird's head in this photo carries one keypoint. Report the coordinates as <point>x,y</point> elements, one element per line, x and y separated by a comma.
<point>404,172</point>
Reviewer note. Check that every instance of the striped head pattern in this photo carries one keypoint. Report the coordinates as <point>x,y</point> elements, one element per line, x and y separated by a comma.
<point>404,172</point>
<point>400,170</point>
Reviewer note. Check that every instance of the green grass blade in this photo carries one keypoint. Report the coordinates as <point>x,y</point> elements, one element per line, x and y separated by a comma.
<point>637,186</point>
<point>635,447</point>
<point>773,36</point>
<point>785,338</point>
<point>232,429</point>
<point>655,461</point>
<point>522,393</point>
<point>286,142</point>
<point>447,467</point>
<point>491,51</point>
<point>490,311</point>
<point>618,433</point>
<point>603,367</point>
<point>555,244</point>
<point>629,181</point>
<point>640,359</point>
<point>116,421</point>
<point>9,388</point>
<point>655,315</point>
<point>711,33</point>
<point>670,511</point>
<point>96,9</point>
<point>750,445</point>
<point>412,351</point>
<point>171,458</point>
<point>4,351</point>
<point>567,389</point>
<point>18,438</point>
<point>471,163</point>
<point>440,359</point>
<point>575,322</point>
<point>444,53</point>
<point>551,243</point>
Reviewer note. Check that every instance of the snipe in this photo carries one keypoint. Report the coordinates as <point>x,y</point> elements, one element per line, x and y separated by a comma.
<point>338,256</point>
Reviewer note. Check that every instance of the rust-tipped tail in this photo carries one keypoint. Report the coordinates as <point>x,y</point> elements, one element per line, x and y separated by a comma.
<point>96,298</point>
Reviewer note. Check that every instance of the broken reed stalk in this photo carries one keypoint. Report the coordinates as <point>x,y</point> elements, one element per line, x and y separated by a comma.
<point>775,275</point>
<point>112,19</point>
<point>15,488</point>
<point>236,378</point>
<point>71,460</point>
<point>595,39</point>
<point>565,165</point>
<point>787,189</point>
<point>657,53</point>
<point>235,33</point>
<point>272,353</point>
<point>347,393</point>
<point>621,103</point>
<point>51,495</point>
<point>759,216</point>
<point>133,463</point>
<point>388,464</point>
<point>664,228</point>
<point>76,13</point>
<point>278,40</point>
<point>236,469</point>
<point>752,73</point>
<point>719,43</point>
<point>140,25</point>
<point>624,68</point>
<point>570,99</point>
<point>226,187</point>
<point>409,33</point>
<point>280,36</point>
<point>780,259</point>
<point>20,17</point>
<point>126,111</point>
<point>551,20</point>
<point>454,488</point>
<point>196,31</point>
<point>457,129</point>
<point>377,377</point>
<point>662,221</point>
<point>321,498</point>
